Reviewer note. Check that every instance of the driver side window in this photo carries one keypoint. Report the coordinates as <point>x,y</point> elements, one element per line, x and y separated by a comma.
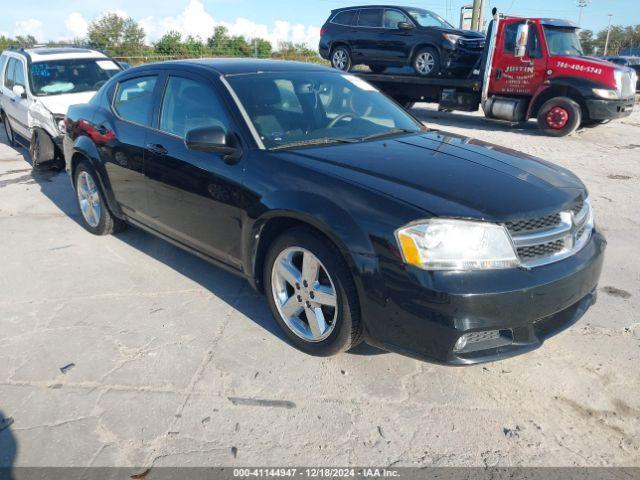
<point>392,18</point>
<point>9,73</point>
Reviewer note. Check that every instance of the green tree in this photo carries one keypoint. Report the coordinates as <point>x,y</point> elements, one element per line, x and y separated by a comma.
<point>118,36</point>
<point>195,47</point>
<point>169,44</point>
<point>587,41</point>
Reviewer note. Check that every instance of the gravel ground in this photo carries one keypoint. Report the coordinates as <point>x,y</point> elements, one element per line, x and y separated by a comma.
<point>126,351</point>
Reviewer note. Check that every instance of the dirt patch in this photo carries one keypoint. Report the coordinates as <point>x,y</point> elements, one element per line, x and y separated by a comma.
<point>616,292</point>
<point>618,177</point>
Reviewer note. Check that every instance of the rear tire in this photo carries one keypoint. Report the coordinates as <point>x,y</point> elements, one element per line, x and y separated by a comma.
<point>377,68</point>
<point>341,58</point>
<point>426,62</point>
<point>559,117</point>
<point>11,139</point>
<point>94,213</point>
<point>294,292</point>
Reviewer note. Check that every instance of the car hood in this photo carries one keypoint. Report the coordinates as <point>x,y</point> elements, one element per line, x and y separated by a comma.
<point>469,34</point>
<point>450,175</point>
<point>59,104</point>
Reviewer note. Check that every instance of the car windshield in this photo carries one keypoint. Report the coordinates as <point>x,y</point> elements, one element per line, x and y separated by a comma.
<point>425,18</point>
<point>563,41</point>
<point>306,108</point>
<point>70,76</point>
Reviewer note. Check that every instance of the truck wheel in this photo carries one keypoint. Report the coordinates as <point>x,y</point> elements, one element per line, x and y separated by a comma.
<point>341,59</point>
<point>426,62</point>
<point>377,68</point>
<point>559,117</point>
<point>311,293</point>
<point>8,131</point>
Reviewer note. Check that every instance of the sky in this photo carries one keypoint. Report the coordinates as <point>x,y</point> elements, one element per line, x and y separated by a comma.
<point>275,20</point>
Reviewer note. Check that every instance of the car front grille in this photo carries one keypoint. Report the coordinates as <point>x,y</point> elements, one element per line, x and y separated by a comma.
<point>542,240</point>
<point>472,44</point>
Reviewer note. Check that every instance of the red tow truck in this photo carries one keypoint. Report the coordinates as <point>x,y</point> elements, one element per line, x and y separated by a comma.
<point>530,68</point>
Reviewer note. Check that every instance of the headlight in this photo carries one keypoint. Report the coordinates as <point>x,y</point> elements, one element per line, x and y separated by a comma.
<point>59,121</point>
<point>451,37</point>
<point>445,244</point>
<point>606,93</point>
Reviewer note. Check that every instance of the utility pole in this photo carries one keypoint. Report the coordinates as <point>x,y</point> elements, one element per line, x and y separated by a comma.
<point>606,43</point>
<point>476,16</point>
<point>581,5</point>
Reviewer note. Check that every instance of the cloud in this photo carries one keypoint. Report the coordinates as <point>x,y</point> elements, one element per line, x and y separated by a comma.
<point>192,20</point>
<point>195,20</point>
<point>30,26</point>
<point>76,25</point>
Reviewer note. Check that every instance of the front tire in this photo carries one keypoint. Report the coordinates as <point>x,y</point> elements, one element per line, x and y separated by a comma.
<point>94,213</point>
<point>341,58</point>
<point>559,117</point>
<point>42,151</point>
<point>311,293</point>
<point>426,62</point>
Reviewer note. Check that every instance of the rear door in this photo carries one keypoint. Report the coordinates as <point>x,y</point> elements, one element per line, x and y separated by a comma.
<point>120,136</point>
<point>367,41</point>
<point>194,197</point>
<point>514,75</point>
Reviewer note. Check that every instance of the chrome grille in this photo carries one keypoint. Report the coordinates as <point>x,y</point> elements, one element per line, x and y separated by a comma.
<point>543,240</point>
<point>628,83</point>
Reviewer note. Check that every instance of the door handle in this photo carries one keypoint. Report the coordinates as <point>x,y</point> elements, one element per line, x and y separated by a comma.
<point>157,149</point>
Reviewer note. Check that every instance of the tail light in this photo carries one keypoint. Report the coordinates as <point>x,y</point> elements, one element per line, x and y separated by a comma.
<point>323,30</point>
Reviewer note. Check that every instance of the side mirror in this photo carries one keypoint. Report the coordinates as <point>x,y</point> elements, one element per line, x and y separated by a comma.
<point>213,139</point>
<point>522,39</point>
<point>404,26</point>
<point>19,91</point>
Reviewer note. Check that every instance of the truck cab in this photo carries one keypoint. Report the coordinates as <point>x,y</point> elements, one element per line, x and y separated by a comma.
<point>538,69</point>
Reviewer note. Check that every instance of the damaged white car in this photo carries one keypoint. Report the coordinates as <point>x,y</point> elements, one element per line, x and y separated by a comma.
<point>38,85</point>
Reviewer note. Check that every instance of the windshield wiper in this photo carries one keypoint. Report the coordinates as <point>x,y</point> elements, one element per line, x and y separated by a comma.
<point>315,141</point>
<point>393,131</point>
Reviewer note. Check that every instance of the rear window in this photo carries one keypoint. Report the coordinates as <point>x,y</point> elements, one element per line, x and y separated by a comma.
<point>370,17</point>
<point>344,18</point>
<point>134,99</point>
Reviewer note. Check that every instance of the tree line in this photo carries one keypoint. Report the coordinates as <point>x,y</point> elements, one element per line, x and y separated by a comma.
<point>124,38</point>
<point>620,37</point>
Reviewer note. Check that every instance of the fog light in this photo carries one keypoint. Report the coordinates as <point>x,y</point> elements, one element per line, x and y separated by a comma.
<point>460,344</point>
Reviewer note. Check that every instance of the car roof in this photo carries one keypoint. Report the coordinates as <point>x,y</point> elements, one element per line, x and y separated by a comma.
<point>236,66</point>
<point>43,54</point>
<point>355,7</point>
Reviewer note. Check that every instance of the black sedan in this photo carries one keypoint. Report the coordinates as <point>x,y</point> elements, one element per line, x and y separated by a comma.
<point>356,221</point>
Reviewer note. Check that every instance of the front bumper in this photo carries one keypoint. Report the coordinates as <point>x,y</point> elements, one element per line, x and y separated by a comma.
<point>509,312</point>
<point>610,109</point>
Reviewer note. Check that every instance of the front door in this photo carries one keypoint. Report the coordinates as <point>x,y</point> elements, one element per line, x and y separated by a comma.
<point>518,75</point>
<point>16,107</point>
<point>393,40</point>
<point>194,197</point>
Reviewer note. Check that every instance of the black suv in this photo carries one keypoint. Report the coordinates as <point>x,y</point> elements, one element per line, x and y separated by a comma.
<point>387,36</point>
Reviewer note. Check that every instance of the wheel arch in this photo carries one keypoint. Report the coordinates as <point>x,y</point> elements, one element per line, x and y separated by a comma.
<point>558,89</point>
<point>85,150</point>
<point>424,44</point>
<point>345,235</point>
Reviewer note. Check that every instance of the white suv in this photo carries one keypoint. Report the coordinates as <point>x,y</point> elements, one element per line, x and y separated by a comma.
<point>38,85</point>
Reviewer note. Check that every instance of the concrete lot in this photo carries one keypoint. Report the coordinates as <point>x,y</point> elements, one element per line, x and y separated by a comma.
<point>126,351</point>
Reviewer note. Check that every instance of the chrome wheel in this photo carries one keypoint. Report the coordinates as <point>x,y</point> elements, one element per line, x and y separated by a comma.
<point>88,198</point>
<point>340,59</point>
<point>425,63</point>
<point>304,294</point>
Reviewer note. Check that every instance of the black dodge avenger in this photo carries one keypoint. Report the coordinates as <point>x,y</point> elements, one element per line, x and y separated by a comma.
<point>356,221</point>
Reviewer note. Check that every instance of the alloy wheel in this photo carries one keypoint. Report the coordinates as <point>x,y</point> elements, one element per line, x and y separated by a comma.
<point>340,59</point>
<point>425,63</point>
<point>89,199</point>
<point>304,294</point>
